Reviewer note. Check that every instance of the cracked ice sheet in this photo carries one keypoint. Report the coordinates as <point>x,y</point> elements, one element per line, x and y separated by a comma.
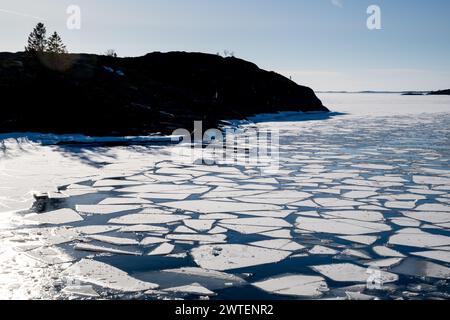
<point>431,217</point>
<point>279,244</point>
<point>437,255</point>
<point>166,188</point>
<point>147,218</point>
<point>213,280</point>
<point>106,209</point>
<point>336,202</point>
<point>163,249</point>
<point>124,200</point>
<point>104,275</point>
<point>341,226</point>
<point>294,285</point>
<point>57,217</point>
<point>321,250</point>
<point>102,249</point>
<point>371,216</point>
<point>259,222</point>
<point>207,206</point>
<point>235,256</point>
<point>194,288</point>
<point>276,197</point>
<point>421,268</point>
<point>347,272</point>
<point>119,241</point>
<point>204,238</point>
<point>418,238</point>
<point>83,291</point>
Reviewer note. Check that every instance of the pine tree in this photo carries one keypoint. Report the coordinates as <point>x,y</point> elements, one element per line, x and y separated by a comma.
<point>55,44</point>
<point>36,40</point>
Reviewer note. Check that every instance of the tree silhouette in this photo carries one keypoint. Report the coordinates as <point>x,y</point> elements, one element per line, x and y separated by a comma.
<point>111,53</point>
<point>55,44</point>
<point>36,40</point>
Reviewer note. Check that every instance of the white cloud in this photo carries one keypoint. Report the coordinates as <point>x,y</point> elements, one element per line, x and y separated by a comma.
<point>338,3</point>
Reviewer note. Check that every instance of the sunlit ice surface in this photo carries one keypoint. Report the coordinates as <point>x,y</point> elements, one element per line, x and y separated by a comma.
<point>359,209</point>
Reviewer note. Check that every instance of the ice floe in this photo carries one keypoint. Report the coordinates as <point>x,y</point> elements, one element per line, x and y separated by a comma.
<point>260,222</point>
<point>418,238</point>
<point>336,202</point>
<point>321,250</point>
<point>207,206</point>
<point>57,217</point>
<point>422,268</point>
<point>204,238</point>
<point>105,209</point>
<point>294,285</point>
<point>438,255</point>
<point>163,249</point>
<point>82,291</point>
<point>280,244</point>
<point>104,275</point>
<point>102,249</point>
<point>367,240</point>
<point>235,256</point>
<point>341,226</point>
<point>194,288</point>
<point>362,215</point>
<point>148,218</point>
<point>347,272</point>
<point>119,241</point>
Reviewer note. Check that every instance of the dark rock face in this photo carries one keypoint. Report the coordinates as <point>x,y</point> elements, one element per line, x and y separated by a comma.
<point>159,92</point>
<point>441,92</point>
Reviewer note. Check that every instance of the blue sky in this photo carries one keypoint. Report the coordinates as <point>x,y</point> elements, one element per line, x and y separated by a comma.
<point>324,44</point>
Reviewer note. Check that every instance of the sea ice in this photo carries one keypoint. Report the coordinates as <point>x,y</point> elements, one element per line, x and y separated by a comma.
<point>235,256</point>
<point>335,202</point>
<point>294,285</point>
<point>124,200</point>
<point>104,275</point>
<point>102,249</point>
<point>114,240</point>
<point>279,244</point>
<point>57,217</point>
<point>341,226</point>
<point>163,249</point>
<point>194,288</point>
<point>105,209</point>
<point>362,215</point>
<point>82,291</point>
<point>147,219</point>
<point>418,238</point>
<point>259,222</point>
<point>207,206</point>
<point>367,240</point>
<point>422,268</point>
<point>205,238</point>
<point>443,256</point>
<point>199,225</point>
<point>321,250</point>
<point>347,272</point>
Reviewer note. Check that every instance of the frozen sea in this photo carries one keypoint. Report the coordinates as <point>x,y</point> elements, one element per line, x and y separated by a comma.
<point>360,210</point>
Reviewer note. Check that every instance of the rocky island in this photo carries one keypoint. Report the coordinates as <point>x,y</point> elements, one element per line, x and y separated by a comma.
<point>155,93</point>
